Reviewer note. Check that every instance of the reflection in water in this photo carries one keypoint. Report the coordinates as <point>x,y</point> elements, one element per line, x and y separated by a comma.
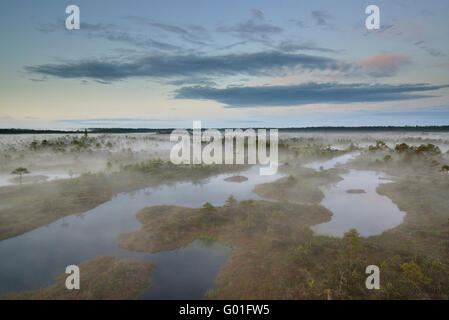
<point>34,177</point>
<point>34,260</point>
<point>328,164</point>
<point>370,213</point>
<point>187,272</point>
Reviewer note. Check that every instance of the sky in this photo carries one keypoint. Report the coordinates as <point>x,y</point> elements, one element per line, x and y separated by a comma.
<point>164,64</point>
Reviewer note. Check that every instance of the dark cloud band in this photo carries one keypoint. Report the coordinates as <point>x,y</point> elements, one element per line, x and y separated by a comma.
<point>254,64</point>
<point>310,93</point>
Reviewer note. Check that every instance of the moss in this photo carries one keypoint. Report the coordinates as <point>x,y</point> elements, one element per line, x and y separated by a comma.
<point>302,185</point>
<point>276,257</point>
<point>105,278</point>
<point>32,206</point>
<point>263,235</point>
<point>355,191</point>
<point>236,179</point>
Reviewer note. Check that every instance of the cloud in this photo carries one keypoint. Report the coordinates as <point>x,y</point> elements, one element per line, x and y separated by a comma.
<point>203,81</point>
<point>432,51</point>
<point>60,25</point>
<point>183,66</point>
<point>194,34</point>
<point>300,24</point>
<point>309,93</point>
<point>112,33</point>
<point>141,42</point>
<point>258,14</point>
<point>232,45</point>
<point>384,64</point>
<point>410,31</point>
<point>255,29</point>
<point>119,122</point>
<point>321,17</point>
<point>250,27</point>
<point>95,120</point>
<point>383,28</point>
<point>290,46</point>
<point>37,80</point>
<point>432,112</point>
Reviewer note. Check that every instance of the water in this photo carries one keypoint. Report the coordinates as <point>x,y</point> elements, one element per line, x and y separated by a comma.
<point>331,163</point>
<point>40,176</point>
<point>370,213</point>
<point>35,259</point>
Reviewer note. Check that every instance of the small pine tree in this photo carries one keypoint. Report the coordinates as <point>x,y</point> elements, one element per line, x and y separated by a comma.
<point>352,245</point>
<point>230,201</point>
<point>20,171</point>
<point>412,275</point>
<point>207,209</point>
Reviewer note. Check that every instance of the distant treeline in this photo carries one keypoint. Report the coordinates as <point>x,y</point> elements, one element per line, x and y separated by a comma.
<point>293,129</point>
<point>372,128</point>
<point>92,130</point>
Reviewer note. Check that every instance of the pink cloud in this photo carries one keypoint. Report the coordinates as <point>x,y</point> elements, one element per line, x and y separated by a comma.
<point>384,64</point>
<point>444,65</point>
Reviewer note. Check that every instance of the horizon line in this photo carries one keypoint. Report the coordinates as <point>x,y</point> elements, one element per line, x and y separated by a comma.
<point>143,130</point>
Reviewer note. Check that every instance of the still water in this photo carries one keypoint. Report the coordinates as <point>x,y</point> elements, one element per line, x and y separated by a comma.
<point>35,259</point>
<point>368,212</point>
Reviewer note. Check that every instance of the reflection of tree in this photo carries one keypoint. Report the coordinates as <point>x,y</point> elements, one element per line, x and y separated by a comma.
<point>64,223</point>
<point>20,171</point>
<point>132,194</point>
<point>81,215</point>
<point>200,182</point>
<point>208,243</point>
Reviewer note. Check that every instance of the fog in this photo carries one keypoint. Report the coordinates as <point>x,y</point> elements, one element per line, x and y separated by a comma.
<point>339,202</point>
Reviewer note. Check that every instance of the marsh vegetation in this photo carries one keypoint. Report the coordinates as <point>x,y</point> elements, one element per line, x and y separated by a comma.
<point>394,181</point>
<point>105,278</point>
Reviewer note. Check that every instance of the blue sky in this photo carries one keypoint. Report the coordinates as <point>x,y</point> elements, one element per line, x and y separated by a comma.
<point>227,63</point>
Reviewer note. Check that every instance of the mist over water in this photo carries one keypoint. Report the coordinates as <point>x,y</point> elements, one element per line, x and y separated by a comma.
<point>34,259</point>
<point>368,212</point>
